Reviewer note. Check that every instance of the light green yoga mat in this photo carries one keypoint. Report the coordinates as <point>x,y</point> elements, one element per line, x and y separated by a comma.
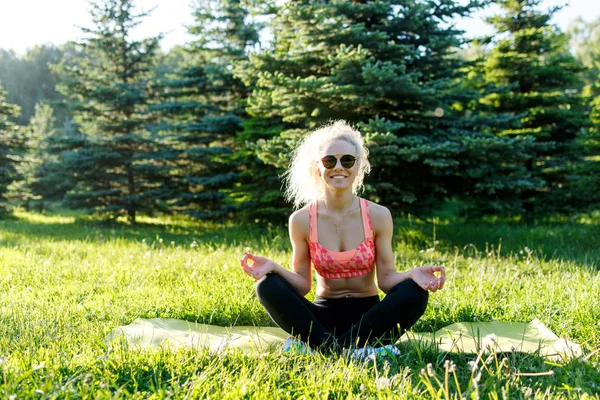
<point>464,337</point>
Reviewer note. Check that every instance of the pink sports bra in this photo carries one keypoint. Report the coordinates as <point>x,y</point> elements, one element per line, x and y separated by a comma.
<point>342,264</point>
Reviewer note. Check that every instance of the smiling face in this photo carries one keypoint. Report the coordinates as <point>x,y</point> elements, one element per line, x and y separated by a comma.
<point>338,177</point>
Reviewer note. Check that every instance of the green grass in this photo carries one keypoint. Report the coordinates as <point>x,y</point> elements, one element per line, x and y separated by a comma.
<point>65,283</point>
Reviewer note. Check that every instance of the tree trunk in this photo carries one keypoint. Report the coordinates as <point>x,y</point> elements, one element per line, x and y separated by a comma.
<point>131,207</point>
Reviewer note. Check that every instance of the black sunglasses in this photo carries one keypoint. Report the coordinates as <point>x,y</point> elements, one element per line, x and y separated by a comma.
<point>330,161</point>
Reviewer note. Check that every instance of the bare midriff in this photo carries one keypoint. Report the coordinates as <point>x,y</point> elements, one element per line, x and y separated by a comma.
<point>360,286</point>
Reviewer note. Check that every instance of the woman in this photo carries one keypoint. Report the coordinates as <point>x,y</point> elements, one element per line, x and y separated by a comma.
<point>348,240</point>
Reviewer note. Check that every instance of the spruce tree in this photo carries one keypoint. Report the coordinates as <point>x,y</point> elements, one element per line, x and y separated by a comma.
<point>121,168</point>
<point>587,187</point>
<point>40,127</point>
<point>532,58</point>
<point>389,67</point>
<point>203,109</point>
<point>12,147</point>
<point>44,177</point>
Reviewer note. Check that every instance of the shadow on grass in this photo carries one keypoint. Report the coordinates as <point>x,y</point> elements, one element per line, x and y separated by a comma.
<point>568,241</point>
<point>443,374</point>
<point>486,373</point>
<point>30,226</point>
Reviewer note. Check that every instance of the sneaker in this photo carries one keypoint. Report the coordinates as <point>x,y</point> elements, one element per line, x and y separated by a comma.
<point>295,346</point>
<point>372,353</point>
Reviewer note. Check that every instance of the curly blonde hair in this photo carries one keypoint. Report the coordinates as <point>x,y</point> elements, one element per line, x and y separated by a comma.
<point>302,181</point>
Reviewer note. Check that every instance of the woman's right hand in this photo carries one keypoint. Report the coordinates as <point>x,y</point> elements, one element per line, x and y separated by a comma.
<point>257,266</point>
<point>426,277</point>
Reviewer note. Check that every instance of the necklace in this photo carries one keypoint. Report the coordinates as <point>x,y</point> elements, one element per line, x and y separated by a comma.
<point>337,226</point>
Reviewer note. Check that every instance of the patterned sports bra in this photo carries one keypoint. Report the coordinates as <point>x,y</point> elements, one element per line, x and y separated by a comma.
<point>342,264</point>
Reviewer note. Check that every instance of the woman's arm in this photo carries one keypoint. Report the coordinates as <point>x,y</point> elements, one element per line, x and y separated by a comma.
<point>387,276</point>
<point>383,228</point>
<point>300,276</point>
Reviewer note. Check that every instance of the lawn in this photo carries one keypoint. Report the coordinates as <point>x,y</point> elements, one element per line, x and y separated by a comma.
<point>67,282</point>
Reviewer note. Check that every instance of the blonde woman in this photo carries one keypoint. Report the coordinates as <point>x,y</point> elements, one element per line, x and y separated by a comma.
<point>348,241</point>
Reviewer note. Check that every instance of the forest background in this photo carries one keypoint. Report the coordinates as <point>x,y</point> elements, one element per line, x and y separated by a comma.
<point>492,144</point>
<point>503,126</point>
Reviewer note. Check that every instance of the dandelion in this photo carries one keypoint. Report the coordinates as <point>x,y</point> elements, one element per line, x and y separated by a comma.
<point>194,245</point>
<point>489,342</point>
<point>450,366</point>
<point>472,365</point>
<point>430,369</point>
<point>383,383</point>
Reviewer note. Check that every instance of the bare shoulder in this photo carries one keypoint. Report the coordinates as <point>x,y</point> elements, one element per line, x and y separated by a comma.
<point>381,217</point>
<point>300,221</point>
<point>379,212</point>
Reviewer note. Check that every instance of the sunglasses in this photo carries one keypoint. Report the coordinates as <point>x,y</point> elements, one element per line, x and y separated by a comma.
<point>330,161</point>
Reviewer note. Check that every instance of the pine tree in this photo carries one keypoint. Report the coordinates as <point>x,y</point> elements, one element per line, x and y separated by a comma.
<point>204,109</point>
<point>44,177</point>
<point>587,187</point>
<point>41,126</point>
<point>533,59</point>
<point>389,67</point>
<point>12,147</point>
<point>121,168</point>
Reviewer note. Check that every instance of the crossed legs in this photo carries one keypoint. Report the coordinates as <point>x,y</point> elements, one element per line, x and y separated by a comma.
<point>318,324</point>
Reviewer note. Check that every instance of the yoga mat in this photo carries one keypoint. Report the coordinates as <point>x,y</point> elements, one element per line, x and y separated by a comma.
<point>460,337</point>
<point>158,333</point>
<point>498,337</point>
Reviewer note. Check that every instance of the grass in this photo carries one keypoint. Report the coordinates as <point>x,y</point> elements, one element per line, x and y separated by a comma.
<point>65,283</point>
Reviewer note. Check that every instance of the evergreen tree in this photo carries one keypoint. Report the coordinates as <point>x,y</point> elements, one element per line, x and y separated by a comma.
<point>41,125</point>
<point>11,148</point>
<point>204,109</point>
<point>389,67</point>
<point>121,168</point>
<point>533,59</point>
<point>44,176</point>
<point>587,187</point>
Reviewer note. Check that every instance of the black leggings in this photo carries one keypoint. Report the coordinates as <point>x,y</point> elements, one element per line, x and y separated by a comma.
<point>345,322</point>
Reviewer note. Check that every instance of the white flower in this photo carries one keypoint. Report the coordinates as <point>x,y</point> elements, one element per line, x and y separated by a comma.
<point>489,342</point>
<point>430,369</point>
<point>383,383</point>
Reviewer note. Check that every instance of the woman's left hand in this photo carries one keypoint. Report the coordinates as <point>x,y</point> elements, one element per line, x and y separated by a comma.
<point>257,266</point>
<point>425,277</point>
